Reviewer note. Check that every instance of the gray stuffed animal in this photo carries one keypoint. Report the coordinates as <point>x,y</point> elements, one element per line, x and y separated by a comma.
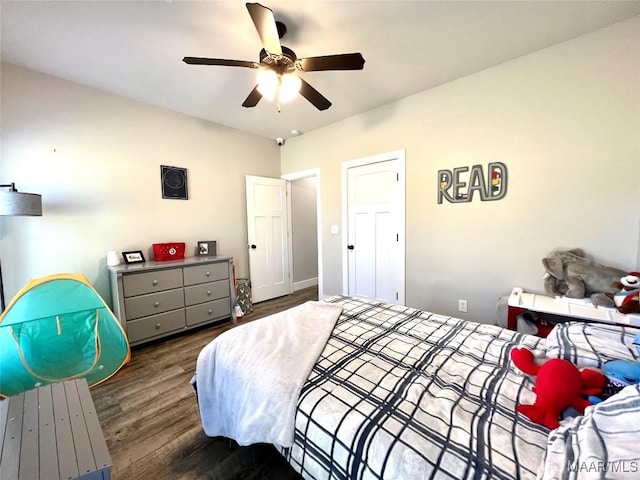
<point>570,274</point>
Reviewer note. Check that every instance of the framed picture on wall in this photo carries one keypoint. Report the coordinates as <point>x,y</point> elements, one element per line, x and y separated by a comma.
<point>174,182</point>
<point>206,248</point>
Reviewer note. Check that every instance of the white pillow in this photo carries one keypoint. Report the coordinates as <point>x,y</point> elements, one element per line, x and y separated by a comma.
<point>604,443</point>
<point>592,344</point>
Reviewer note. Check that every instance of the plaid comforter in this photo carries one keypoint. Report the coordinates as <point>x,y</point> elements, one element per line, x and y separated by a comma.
<point>402,394</point>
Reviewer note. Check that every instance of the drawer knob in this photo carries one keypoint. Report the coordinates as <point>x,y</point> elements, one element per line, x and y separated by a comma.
<point>156,304</point>
<point>155,282</point>
<point>208,274</point>
<point>208,293</point>
<point>158,326</point>
<point>210,312</point>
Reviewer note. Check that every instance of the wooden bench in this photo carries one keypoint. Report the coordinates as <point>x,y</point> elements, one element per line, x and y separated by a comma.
<point>52,433</point>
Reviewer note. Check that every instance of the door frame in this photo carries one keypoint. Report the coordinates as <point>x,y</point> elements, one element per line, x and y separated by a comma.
<point>289,177</point>
<point>399,155</point>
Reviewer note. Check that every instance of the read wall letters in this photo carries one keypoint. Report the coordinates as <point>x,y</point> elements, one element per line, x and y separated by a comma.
<point>456,186</point>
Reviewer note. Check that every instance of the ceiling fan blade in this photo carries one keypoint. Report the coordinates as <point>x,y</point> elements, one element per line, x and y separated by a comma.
<point>253,98</point>
<point>219,61</point>
<point>314,96</point>
<point>266,26</point>
<point>345,61</point>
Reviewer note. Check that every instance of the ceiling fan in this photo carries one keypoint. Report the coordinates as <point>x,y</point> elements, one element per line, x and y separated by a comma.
<point>279,65</point>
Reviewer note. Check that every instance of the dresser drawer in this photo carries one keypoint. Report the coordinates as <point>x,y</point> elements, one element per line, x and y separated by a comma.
<point>206,273</point>
<point>206,292</point>
<point>155,325</point>
<point>208,311</point>
<point>153,303</point>
<point>141,283</point>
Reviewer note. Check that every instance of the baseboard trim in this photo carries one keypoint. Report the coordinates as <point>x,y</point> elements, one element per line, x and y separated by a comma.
<point>305,284</point>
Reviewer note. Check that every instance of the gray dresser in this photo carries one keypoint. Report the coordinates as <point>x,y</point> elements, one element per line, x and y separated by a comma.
<point>155,299</point>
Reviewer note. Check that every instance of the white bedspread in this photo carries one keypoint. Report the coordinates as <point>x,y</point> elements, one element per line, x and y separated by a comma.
<point>601,444</point>
<point>249,378</point>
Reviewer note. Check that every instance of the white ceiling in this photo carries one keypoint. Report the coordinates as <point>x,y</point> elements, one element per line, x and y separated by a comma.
<point>135,48</point>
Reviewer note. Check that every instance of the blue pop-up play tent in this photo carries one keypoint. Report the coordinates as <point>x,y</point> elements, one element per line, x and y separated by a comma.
<point>58,328</point>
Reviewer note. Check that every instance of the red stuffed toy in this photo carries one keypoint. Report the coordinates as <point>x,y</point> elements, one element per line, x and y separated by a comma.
<point>627,300</point>
<point>559,384</point>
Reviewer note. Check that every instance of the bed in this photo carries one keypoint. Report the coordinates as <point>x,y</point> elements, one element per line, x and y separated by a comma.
<point>396,393</point>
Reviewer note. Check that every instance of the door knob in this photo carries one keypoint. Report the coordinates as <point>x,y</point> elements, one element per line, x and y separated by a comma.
<point>253,247</point>
<point>350,247</point>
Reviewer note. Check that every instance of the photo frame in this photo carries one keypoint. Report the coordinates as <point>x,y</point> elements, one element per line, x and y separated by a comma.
<point>174,182</point>
<point>206,248</point>
<point>134,256</point>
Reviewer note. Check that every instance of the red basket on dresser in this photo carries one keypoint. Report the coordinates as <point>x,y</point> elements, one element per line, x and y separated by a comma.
<point>168,251</point>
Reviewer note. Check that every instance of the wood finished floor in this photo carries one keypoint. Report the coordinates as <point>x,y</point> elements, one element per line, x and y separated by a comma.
<point>150,418</point>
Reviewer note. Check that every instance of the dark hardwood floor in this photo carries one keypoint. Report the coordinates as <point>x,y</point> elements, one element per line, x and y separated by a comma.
<point>150,418</point>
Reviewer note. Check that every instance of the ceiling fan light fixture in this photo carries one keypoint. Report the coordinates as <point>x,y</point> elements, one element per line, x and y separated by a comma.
<point>268,83</point>
<point>283,86</point>
<point>289,87</point>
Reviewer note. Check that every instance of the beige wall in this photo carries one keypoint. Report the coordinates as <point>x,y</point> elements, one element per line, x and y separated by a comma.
<point>95,158</point>
<point>565,121</point>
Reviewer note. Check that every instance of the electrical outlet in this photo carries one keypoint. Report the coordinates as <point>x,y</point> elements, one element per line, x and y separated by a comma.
<point>462,305</point>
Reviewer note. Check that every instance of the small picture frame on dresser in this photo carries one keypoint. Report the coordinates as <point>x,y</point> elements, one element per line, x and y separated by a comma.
<point>206,248</point>
<point>134,256</point>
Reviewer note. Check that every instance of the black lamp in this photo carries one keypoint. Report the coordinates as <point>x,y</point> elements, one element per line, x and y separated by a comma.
<point>13,203</point>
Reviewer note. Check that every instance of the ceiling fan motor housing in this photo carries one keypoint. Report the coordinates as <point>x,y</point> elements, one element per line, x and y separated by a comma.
<point>286,61</point>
